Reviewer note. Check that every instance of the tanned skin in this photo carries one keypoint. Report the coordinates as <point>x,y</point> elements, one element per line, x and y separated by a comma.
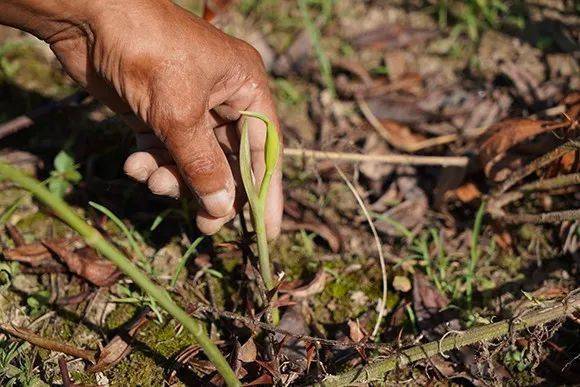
<point>177,81</point>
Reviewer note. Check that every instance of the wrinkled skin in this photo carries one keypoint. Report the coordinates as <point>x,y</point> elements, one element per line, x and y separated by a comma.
<point>177,81</point>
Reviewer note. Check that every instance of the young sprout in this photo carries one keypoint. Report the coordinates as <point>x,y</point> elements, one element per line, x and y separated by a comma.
<point>257,197</point>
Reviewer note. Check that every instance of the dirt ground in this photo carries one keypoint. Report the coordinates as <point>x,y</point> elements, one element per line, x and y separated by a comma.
<point>478,224</point>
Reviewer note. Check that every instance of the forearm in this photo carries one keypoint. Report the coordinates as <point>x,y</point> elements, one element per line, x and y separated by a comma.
<point>46,18</point>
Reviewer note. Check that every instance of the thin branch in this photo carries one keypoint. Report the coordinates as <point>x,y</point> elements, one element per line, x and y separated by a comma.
<point>45,343</point>
<point>546,217</point>
<point>377,370</point>
<point>537,164</point>
<point>251,323</point>
<point>556,182</point>
<point>386,159</point>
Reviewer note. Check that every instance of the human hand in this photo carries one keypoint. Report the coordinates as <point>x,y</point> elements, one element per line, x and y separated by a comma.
<point>179,83</point>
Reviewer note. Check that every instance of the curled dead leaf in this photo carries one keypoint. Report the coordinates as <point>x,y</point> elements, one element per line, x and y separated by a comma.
<point>86,263</point>
<point>507,134</point>
<point>119,347</point>
<point>314,287</point>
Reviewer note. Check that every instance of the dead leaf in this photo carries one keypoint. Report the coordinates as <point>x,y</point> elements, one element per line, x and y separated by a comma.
<point>85,263</point>
<point>507,134</point>
<point>467,193</point>
<point>355,332</point>
<point>34,254</point>
<point>314,287</point>
<point>119,347</point>
<point>427,301</point>
<point>15,235</point>
<point>248,352</point>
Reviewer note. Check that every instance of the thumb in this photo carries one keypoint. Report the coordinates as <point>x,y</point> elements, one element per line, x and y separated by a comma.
<point>204,168</point>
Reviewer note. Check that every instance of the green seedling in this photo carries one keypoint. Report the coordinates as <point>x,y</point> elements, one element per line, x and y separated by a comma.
<point>475,252</point>
<point>257,197</point>
<point>64,175</point>
<point>119,223</point>
<point>96,240</point>
<point>183,261</point>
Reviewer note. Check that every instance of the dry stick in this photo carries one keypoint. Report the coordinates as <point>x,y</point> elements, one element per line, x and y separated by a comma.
<point>378,370</point>
<point>546,217</point>
<point>26,120</point>
<point>251,323</point>
<point>387,159</point>
<point>538,163</point>
<point>49,344</point>
<point>556,182</point>
<point>382,309</point>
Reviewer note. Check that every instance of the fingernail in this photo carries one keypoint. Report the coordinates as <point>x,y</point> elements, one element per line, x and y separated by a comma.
<point>219,203</point>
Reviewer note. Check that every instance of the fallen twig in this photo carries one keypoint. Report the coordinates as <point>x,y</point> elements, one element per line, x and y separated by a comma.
<point>538,163</point>
<point>377,370</point>
<point>49,344</point>
<point>442,161</point>
<point>271,328</point>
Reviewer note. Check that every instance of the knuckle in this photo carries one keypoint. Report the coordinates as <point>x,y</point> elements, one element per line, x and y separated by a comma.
<point>200,165</point>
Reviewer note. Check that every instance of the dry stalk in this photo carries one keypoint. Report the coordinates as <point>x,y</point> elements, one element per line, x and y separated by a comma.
<point>46,343</point>
<point>399,159</point>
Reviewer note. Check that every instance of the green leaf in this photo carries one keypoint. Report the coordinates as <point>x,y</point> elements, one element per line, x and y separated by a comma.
<point>58,186</point>
<point>63,162</point>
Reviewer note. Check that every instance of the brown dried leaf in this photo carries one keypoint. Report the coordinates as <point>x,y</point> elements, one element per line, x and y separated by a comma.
<point>15,235</point>
<point>427,301</point>
<point>314,287</point>
<point>248,352</point>
<point>119,347</point>
<point>34,254</point>
<point>355,332</point>
<point>86,263</point>
<point>508,133</point>
<point>467,193</point>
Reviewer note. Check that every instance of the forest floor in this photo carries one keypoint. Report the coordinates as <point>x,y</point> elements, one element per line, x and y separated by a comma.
<point>485,87</point>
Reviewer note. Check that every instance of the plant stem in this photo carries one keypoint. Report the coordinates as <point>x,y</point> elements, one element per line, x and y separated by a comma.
<point>94,239</point>
<point>378,370</point>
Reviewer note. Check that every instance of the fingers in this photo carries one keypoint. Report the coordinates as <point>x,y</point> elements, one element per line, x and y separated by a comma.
<point>204,168</point>
<point>165,181</point>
